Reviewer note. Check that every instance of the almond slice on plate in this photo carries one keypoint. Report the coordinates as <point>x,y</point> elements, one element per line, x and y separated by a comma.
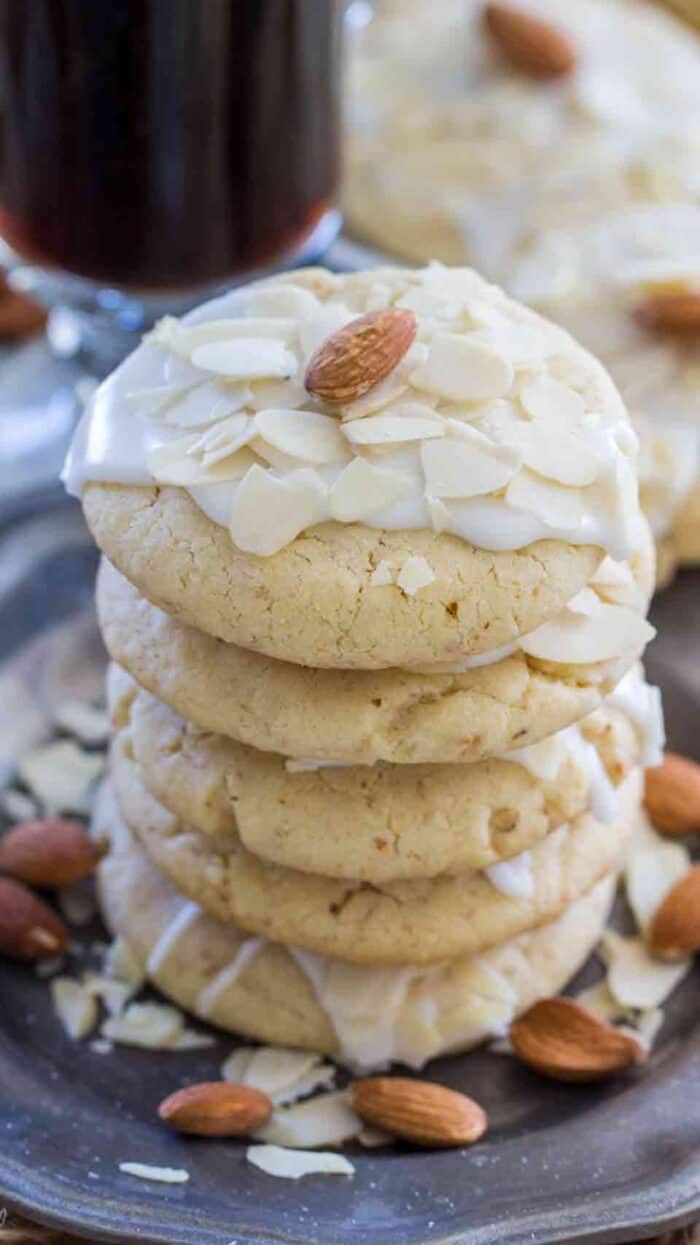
<point>48,853</point>
<point>352,361</point>
<point>216,1109</point>
<point>29,930</point>
<point>563,1040</point>
<point>418,1111</point>
<point>528,44</point>
<point>672,795</point>
<point>676,314</point>
<point>674,931</point>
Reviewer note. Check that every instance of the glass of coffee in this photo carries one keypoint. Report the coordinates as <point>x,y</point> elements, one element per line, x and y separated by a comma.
<point>154,152</point>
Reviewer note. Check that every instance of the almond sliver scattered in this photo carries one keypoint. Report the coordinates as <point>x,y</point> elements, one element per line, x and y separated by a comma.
<point>164,1175</point>
<point>635,978</point>
<point>246,359</point>
<point>293,1164</point>
<point>327,1120</point>
<point>75,1006</point>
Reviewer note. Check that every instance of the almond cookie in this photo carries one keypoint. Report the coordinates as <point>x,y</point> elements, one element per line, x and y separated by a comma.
<point>363,471</point>
<point>351,715</point>
<point>361,1016</point>
<point>376,823</point>
<point>419,921</point>
<point>457,150</point>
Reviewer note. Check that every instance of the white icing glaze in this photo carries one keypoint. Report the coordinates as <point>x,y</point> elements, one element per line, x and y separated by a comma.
<point>206,1000</point>
<point>513,877</point>
<point>642,704</point>
<point>178,926</point>
<point>249,450</point>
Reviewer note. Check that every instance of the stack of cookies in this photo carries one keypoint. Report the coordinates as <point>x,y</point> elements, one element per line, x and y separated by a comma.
<point>374,590</point>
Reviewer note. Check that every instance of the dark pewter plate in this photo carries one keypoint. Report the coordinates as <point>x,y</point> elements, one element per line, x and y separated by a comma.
<point>607,1163</point>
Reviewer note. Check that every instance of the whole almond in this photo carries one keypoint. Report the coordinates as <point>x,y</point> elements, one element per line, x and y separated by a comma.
<point>530,45</point>
<point>352,361</point>
<point>48,853</point>
<point>419,1111</point>
<point>564,1040</point>
<point>29,929</point>
<point>674,931</point>
<point>675,314</point>
<point>216,1109</point>
<point>672,795</point>
<point>19,315</point>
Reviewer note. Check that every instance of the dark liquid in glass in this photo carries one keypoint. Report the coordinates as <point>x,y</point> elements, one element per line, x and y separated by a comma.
<point>166,143</point>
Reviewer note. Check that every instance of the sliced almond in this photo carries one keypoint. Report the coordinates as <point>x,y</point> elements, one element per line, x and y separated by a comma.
<point>672,795</point>
<point>48,853</point>
<point>419,1111</point>
<point>216,1109</point>
<point>675,313</point>
<point>29,930</point>
<point>359,356</point>
<point>528,44</point>
<point>565,1041</point>
<point>675,928</point>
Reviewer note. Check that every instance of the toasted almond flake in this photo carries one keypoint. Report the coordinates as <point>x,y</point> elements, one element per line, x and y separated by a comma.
<point>190,1039</point>
<point>557,452</point>
<point>77,903</point>
<point>653,867</point>
<point>560,507</point>
<point>545,398</point>
<point>321,1077</point>
<point>362,489</point>
<point>206,404</point>
<point>327,320</point>
<point>381,575</point>
<point>275,394</point>
<point>327,1120</point>
<point>307,435</point>
<point>61,775</point>
<point>88,723</point>
<point>601,1001</point>
<point>635,978</point>
<point>183,339</point>
<point>268,512</point>
<point>114,994</point>
<point>236,1064</point>
<point>251,358</point>
<point>283,300</point>
<point>177,463</point>
<point>293,1164</point>
<point>392,429</point>
<point>469,467</point>
<point>153,1026</point>
<point>122,962</point>
<point>463,370</point>
<point>614,581</point>
<point>372,1138</point>
<point>586,602</point>
<point>275,1068</point>
<point>223,439</point>
<point>75,1006</point>
<point>165,1175</point>
<point>576,640</point>
<point>415,573</point>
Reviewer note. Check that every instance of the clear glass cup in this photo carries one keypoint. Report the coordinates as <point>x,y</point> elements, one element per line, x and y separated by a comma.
<point>154,152</point>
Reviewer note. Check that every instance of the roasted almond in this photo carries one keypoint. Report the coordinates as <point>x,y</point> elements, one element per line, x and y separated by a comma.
<point>564,1040</point>
<point>19,315</point>
<point>352,361</point>
<point>29,930</point>
<point>675,313</point>
<point>419,1111</point>
<point>674,930</point>
<point>48,853</point>
<point>530,45</point>
<point>672,795</point>
<point>216,1109</point>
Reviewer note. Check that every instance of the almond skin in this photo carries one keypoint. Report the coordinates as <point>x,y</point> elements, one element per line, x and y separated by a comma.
<point>674,931</point>
<point>672,795</point>
<point>567,1042</point>
<point>48,853</point>
<point>674,314</point>
<point>216,1109</point>
<point>531,46</point>
<point>352,361</point>
<point>419,1111</point>
<point>29,930</point>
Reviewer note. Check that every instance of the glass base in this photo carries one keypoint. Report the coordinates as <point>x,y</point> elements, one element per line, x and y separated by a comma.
<point>99,326</point>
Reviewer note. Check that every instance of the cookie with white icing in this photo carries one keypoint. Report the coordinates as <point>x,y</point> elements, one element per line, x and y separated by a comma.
<point>361,1016</point>
<point>385,822</point>
<point>352,715</point>
<point>452,508</point>
<point>626,286</point>
<point>453,153</point>
<point>419,921</point>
